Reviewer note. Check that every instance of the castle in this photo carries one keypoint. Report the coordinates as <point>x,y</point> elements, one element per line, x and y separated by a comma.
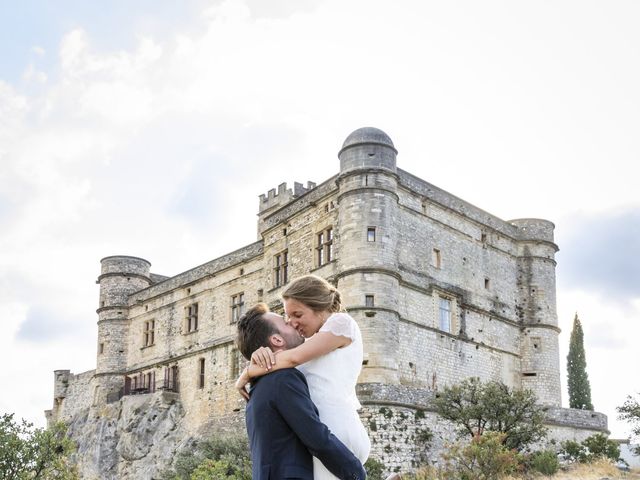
<point>441,289</point>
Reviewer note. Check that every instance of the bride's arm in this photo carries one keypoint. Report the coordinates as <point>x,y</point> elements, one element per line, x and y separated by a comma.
<point>318,345</point>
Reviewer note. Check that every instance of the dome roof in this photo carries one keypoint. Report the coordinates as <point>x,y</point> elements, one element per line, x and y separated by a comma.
<point>367,135</point>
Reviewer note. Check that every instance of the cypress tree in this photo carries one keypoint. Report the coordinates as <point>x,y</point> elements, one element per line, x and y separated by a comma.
<point>578,380</point>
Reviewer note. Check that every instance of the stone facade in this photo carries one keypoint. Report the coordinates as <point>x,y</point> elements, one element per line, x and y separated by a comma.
<point>441,289</point>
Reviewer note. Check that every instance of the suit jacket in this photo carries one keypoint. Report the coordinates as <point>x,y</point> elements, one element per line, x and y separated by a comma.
<point>285,431</point>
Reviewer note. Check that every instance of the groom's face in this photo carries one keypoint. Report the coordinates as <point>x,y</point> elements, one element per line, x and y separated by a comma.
<point>289,334</point>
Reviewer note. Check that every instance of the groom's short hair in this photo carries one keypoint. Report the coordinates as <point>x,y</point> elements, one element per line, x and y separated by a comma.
<point>254,330</point>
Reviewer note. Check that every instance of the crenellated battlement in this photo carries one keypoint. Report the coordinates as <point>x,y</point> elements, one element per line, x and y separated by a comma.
<point>283,195</point>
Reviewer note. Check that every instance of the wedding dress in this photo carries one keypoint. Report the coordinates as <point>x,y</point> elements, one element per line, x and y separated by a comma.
<point>332,381</point>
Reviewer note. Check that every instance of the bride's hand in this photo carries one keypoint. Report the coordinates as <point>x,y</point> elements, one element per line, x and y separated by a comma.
<point>241,384</point>
<point>264,357</point>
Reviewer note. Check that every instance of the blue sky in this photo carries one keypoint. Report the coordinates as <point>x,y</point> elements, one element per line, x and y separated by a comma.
<point>151,128</point>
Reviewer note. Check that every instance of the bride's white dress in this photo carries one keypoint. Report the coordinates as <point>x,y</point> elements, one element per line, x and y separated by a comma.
<point>332,381</point>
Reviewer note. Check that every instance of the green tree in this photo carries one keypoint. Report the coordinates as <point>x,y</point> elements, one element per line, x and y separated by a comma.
<point>34,453</point>
<point>477,407</point>
<point>630,411</point>
<point>577,378</point>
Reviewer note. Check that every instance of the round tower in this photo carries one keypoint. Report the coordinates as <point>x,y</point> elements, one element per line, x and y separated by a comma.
<point>368,201</point>
<point>536,309</point>
<point>120,277</point>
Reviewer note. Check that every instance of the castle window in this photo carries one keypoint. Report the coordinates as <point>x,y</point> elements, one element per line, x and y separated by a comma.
<point>191,318</point>
<point>242,271</point>
<point>486,283</point>
<point>148,335</point>
<point>201,373</point>
<point>368,301</point>
<point>445,315</point>
<point>171,383</point>
<point>436,258</point>
<point>483,237</point>
<point>101,348</point>
<point>281,269</point>
<point>324,247</point>
<point>371,234</point>
<point>150,382</point>
<point>237,306</point>
<point>234,363</point>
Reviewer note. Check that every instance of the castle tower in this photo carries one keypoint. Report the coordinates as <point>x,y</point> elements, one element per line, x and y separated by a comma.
<point>536,309</point>
<point>120,277</point>
<point>367,244</point>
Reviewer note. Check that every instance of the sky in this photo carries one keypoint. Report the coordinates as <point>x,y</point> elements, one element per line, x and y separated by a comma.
<point>150,128</point>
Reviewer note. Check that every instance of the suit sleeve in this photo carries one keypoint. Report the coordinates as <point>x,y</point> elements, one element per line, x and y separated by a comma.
<point>295,406</point>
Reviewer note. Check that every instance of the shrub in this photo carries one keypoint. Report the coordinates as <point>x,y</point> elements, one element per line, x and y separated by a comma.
<point>212,456</point>
<point>595,447</point>
<point>220,470</point>
<point>374,468</point>
<point>544,461</point>
<point>485,458</point>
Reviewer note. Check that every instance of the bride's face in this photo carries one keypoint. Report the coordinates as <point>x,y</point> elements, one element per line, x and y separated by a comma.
<point>302,318</point>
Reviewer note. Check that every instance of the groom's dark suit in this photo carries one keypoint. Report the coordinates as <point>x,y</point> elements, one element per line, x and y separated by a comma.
<point>285,431</point>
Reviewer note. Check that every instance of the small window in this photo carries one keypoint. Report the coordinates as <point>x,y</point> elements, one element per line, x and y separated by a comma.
<point>371,234</point>
<point>201,373</point>
<point>148,334</point>
<point>486,283</point>
<point>436,258</point>
<point>237,306</point>
<point>281,269</point>
<point>324,246</point>
<point>284,232</point>
<point>529,374</point>
<point>483,237</point>
<point>101,348</point>
<point>369,301</point>
<point>234,363</point>
<point>241,271</point>
<point>188,291</point>
<point>191,318</point>
<point>445,315</point>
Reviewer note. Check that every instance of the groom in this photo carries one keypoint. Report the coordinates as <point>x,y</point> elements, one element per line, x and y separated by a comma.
<point>282,421</point>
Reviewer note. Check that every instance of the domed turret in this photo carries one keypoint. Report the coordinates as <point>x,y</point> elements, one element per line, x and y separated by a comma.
<point>367,147</point>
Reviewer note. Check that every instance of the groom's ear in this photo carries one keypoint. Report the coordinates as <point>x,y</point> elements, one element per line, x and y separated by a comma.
<point>276,341</point>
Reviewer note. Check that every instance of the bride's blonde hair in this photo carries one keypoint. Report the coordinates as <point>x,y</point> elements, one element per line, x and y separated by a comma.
<point>314,292</point>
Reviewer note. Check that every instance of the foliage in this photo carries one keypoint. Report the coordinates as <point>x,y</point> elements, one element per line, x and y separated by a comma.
<point>543,461</point>
<point>630,411</point>
<point>485,458</point>
<point>477,407</point>
<point>374,469</point>
<point>595,447</point>
<point>577,378</point>
<point>210,457</point>
<point>34,453</point>
<point>220,470</point>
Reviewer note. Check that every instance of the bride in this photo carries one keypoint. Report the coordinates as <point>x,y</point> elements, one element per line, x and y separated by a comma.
<point>330,358</point>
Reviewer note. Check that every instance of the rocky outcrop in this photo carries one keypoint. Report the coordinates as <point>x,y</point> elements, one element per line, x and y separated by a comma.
<point>134,438</point>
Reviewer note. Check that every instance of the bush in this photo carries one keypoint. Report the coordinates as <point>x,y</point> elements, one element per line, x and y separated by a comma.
<point>220,470</point>
<point>374,468</point>
<point>211,457</point>
<point>544,461</point>
<point>595,447</point>
<point>485,458</point>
